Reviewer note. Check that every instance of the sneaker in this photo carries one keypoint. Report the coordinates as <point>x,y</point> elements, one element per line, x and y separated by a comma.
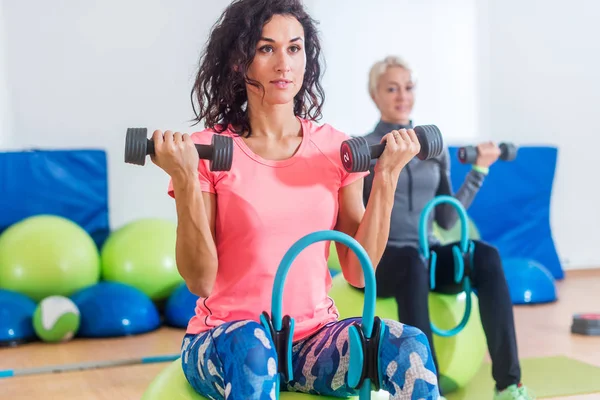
<point>514,392</point>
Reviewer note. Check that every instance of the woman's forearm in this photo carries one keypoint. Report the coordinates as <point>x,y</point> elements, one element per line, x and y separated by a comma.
<point>374,229</point>
<point>196,252</point>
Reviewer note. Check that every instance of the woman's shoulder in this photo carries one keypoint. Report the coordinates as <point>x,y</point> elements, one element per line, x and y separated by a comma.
<point>325,134</point>
<point>205,136</point>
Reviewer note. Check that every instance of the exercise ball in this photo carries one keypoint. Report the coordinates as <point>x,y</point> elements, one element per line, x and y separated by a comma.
<point>47,255</point>
<point>180,307</point>
<point>529,282</point>
<point>142,254</point>
<point>112,309</point>
<point>333,261</point>
<point>459,356</point>
<point>452,235</point>
<point>56,319</point>
<point>170,383</point>
<point>16,312</point>
<point>445,236</point>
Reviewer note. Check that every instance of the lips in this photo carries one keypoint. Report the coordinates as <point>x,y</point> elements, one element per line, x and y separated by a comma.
<point>281,83</point>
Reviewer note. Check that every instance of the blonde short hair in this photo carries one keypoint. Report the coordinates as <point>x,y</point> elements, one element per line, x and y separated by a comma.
<point>380,67</point>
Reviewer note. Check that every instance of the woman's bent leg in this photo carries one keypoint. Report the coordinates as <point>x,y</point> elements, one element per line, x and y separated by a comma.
<point>234,361</point>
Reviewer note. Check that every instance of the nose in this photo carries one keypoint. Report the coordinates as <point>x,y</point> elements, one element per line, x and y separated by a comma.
<point>282,64</point>
<point>401,94</point>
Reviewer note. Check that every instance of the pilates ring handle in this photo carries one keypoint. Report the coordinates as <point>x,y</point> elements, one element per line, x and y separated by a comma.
<point>463,258</point>
<point>368,317</point>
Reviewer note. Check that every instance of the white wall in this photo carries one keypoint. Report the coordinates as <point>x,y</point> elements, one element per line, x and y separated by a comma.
<point>6,130</point>
<point>540,70</point>
<point>436,37</point>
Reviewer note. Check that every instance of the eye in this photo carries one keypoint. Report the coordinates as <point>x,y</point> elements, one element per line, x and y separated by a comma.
<point>295,49</point>
<point>391,89</point>
<point>266,49</point>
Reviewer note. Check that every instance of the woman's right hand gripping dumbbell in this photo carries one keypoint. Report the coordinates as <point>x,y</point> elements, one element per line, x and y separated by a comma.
<point>401,146</point>
<point>176,154</point>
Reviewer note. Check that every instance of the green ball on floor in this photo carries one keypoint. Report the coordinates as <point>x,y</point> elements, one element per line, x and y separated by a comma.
<point>170,383</point>
<point>142,254</point>
<point>459,356</point>
<point>56,319</point>
<point>47,255</point>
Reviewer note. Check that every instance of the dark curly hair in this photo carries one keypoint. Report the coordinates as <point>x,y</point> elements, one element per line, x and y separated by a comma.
<point>220,89</point>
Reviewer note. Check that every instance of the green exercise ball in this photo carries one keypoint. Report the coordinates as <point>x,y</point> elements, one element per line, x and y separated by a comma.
<point>170,383</point>
<point>47,255</point>
<point>142,254</point>
<point>333,262</point>
<point>453,234</point>
<point>444,235</point>
<point>459,356</point>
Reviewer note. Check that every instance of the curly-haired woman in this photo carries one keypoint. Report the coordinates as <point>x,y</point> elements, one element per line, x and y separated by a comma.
<point>258,83</point>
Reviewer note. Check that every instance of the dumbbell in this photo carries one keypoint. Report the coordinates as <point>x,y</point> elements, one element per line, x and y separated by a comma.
<point>357,154</point>
<point>468,154</point>
<point>219,152</point>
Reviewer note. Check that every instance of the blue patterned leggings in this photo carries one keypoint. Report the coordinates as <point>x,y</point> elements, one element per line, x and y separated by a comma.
<point>236,361</point>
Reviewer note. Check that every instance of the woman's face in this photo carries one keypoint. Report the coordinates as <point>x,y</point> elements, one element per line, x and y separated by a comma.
<point>279,62</point>
<point>394,95</point>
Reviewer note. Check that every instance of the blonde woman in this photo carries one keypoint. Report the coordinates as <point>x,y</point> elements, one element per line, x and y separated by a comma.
<point>402,273</point>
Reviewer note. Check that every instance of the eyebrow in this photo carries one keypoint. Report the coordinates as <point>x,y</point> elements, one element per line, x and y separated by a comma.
<point>398,84</point>
<point>266,39</point>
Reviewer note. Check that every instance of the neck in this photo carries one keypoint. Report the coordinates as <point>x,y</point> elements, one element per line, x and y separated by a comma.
<point>273,121</point>
<point>384,126</point>
<point>404,122</point>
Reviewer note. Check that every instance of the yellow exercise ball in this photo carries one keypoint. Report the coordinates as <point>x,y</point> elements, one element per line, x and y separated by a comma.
<point>459,356</point>
<point>170,383</point>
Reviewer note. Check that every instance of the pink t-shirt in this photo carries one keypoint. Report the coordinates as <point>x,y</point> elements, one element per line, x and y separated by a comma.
<point>263,208</point>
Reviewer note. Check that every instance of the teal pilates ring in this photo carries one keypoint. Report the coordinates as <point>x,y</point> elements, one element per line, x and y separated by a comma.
<point>462,254</point>
<point>364,337</point>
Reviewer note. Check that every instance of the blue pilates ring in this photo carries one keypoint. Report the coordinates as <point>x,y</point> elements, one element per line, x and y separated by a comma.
<point>363,372</point>
<point>463,257</point>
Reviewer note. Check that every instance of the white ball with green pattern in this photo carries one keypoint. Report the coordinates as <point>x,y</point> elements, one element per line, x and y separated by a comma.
<point>56,319</point>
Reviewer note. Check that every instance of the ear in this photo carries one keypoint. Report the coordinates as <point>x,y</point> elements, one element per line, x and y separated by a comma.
<point>374,99</point>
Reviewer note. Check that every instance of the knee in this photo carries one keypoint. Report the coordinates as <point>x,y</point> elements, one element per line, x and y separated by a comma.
<point>487,262</point>
<point>249,343</point>
<point>400,336</point>
<point>408,347</point>
<point>401,272</point>
<point>411,268</point>
<point>252,337</point>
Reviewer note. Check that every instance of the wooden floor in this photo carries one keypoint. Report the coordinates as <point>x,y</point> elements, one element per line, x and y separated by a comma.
<point>543,330</point>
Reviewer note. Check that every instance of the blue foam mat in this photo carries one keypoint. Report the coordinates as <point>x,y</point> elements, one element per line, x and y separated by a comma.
<point>69,183</point>
<point>512,209</point>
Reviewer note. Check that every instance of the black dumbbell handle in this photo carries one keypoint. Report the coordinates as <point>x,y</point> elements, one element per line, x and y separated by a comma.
<point>205,151</point>
<point>219,151</point>
<point>377,150</point>
<point>504,151</point>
